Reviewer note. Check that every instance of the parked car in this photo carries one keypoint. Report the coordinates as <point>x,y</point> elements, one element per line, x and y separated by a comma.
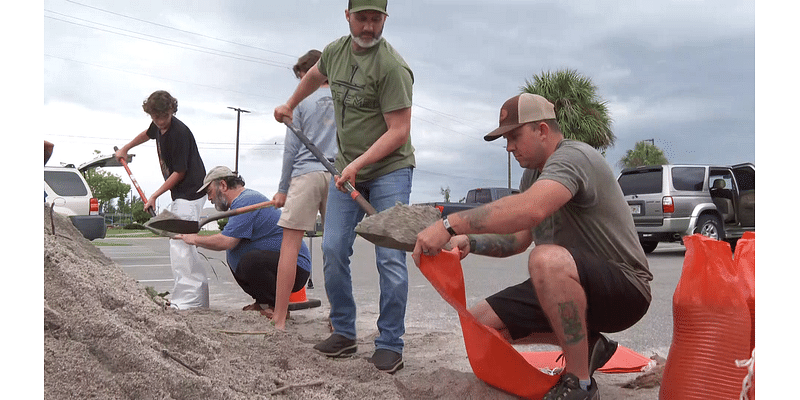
<point>669,202</point>
<point>68,193</point>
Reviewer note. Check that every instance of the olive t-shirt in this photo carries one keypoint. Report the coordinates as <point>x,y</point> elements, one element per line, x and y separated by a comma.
<point>597,219</point>
<point>364,86</point>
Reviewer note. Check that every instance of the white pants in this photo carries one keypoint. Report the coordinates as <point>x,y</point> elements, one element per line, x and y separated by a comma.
<point>191,279</point>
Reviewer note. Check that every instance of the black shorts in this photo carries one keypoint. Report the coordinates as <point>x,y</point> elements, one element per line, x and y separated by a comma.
<point>257,275</point>
<point>613,303</point>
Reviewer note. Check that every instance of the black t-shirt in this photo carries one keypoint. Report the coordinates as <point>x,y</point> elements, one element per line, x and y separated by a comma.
<point>177,152</point>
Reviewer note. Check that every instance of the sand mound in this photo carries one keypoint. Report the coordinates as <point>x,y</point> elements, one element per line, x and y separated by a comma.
<point>104,337</point>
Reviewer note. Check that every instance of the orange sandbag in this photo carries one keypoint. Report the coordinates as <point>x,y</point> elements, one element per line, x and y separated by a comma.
<point>711,326</point>
<point>492,358</point>
<point>745,260</point>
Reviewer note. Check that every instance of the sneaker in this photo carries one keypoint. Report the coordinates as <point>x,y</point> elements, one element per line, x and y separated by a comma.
<point>387,361</point>
<point>336,346</point>
<point>569,388</point>
<point>601,350</point>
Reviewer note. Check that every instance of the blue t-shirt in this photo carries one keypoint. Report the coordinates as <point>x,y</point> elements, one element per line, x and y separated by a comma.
<point>257,230</point>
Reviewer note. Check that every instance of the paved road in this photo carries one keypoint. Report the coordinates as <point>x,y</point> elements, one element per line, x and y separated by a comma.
<point>147,260</point>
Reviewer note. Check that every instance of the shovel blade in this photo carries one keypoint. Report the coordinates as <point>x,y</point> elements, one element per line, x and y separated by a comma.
<point>175,225</point>
<point>169,222</point>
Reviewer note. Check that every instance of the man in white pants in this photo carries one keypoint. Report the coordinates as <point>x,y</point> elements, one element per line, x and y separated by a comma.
<point>183,172</point>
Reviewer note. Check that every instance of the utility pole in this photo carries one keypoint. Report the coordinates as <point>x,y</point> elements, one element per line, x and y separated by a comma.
<point>239,112</point>
<point>509,166</point>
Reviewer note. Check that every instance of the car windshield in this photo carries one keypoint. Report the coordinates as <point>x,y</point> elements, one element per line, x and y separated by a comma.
<point>65,183</point>
<point>641,182</point>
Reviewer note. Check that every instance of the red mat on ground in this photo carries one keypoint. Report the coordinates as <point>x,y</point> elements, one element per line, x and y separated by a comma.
<point>492,358</point>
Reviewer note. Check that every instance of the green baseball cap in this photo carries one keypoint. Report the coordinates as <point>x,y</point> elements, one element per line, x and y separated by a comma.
<point>364,5</point>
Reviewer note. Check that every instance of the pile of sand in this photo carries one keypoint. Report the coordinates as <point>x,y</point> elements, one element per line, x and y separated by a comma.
<point>104,337</point>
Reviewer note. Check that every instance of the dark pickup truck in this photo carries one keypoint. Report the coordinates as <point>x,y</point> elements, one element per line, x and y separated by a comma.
<point>475,198</point>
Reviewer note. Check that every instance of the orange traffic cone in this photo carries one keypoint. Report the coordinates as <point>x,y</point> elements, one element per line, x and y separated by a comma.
<point>299,301</point>
<point>298,296</point>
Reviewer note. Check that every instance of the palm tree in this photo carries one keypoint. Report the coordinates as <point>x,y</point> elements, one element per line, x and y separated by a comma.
<point>580,113</point>
<point>643,153</point>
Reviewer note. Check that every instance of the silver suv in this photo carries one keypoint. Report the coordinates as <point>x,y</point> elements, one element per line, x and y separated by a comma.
<point>66,190</point>
<point>669,202</point>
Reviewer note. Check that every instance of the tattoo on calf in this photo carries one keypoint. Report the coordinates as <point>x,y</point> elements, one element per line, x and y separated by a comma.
<point>571,322</point>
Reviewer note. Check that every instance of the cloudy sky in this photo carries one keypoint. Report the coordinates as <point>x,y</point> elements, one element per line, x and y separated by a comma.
<point>679,72</point>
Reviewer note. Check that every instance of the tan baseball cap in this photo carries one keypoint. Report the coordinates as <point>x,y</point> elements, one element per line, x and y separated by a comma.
<point>215,173</point>
<point>519,110</point>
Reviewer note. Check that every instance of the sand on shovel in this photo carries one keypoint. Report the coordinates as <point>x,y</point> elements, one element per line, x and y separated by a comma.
<point>399,224</point>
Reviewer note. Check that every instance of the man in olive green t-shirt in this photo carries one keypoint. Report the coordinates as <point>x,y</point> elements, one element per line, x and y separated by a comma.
<point>371,86</point>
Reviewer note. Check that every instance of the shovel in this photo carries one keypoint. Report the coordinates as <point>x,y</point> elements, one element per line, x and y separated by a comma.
<point>142,196</point>
<point>170,222</point>
<point>394,228</point>
<point>321,157</point>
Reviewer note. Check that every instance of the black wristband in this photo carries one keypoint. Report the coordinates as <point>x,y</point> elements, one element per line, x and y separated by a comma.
<point>448,227</point>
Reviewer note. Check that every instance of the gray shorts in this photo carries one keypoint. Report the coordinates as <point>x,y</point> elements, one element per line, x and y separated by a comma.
<point>308,193</point>
<point>613,302</point>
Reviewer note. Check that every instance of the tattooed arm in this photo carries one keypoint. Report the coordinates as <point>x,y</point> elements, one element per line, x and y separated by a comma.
<point>496,245</point>
<point>512,216</point>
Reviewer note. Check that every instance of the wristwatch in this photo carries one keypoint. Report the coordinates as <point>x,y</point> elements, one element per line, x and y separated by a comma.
<point>447,226</point>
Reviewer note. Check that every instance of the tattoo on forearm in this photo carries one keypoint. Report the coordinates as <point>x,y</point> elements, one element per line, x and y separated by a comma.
<point>476,218</point>
<point>571,322</point>
<point>493,245</point>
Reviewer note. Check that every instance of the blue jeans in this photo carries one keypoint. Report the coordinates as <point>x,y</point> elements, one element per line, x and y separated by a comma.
<point>341,217</point>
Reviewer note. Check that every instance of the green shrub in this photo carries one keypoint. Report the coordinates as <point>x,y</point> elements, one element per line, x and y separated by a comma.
<point>134,226</point>
<point>221,223</point>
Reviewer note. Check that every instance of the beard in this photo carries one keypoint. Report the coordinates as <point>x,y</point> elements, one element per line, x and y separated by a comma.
<point>220,203</point>
<point>366,43</point>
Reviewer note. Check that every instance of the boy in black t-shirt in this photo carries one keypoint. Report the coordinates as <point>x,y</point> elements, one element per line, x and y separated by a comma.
<point>183,172</point>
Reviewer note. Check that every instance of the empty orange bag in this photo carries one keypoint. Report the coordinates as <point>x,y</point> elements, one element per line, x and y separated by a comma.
<point>493,360</point>
<point>711,325</point>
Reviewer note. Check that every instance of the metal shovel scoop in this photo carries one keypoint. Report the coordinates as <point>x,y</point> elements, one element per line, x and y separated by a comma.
<point>167,221</point>
<point>394,228</point>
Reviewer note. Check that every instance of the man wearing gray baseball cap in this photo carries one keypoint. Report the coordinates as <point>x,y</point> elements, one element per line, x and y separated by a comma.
<point>252,241</point>
<point>588,272</point>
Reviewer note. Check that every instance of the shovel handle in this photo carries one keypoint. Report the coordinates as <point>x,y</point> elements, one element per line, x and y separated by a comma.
<point>321,157</point>
<point>241,210</point>
<point>133,179</point>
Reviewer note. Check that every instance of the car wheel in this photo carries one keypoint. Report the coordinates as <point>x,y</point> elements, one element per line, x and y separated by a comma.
<point>648,247</point>
<point>709,225</point>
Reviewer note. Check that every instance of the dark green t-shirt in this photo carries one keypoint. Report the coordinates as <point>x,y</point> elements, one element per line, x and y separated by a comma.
<point>364,86</point>
<point>597,219</point>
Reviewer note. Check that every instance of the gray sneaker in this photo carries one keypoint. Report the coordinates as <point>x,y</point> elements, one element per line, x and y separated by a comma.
<point>336,346</point>
<point>387,361</point>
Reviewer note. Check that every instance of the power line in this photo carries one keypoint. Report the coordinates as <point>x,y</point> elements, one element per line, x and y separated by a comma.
<point>179,30</point>
<point>183,45</point>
